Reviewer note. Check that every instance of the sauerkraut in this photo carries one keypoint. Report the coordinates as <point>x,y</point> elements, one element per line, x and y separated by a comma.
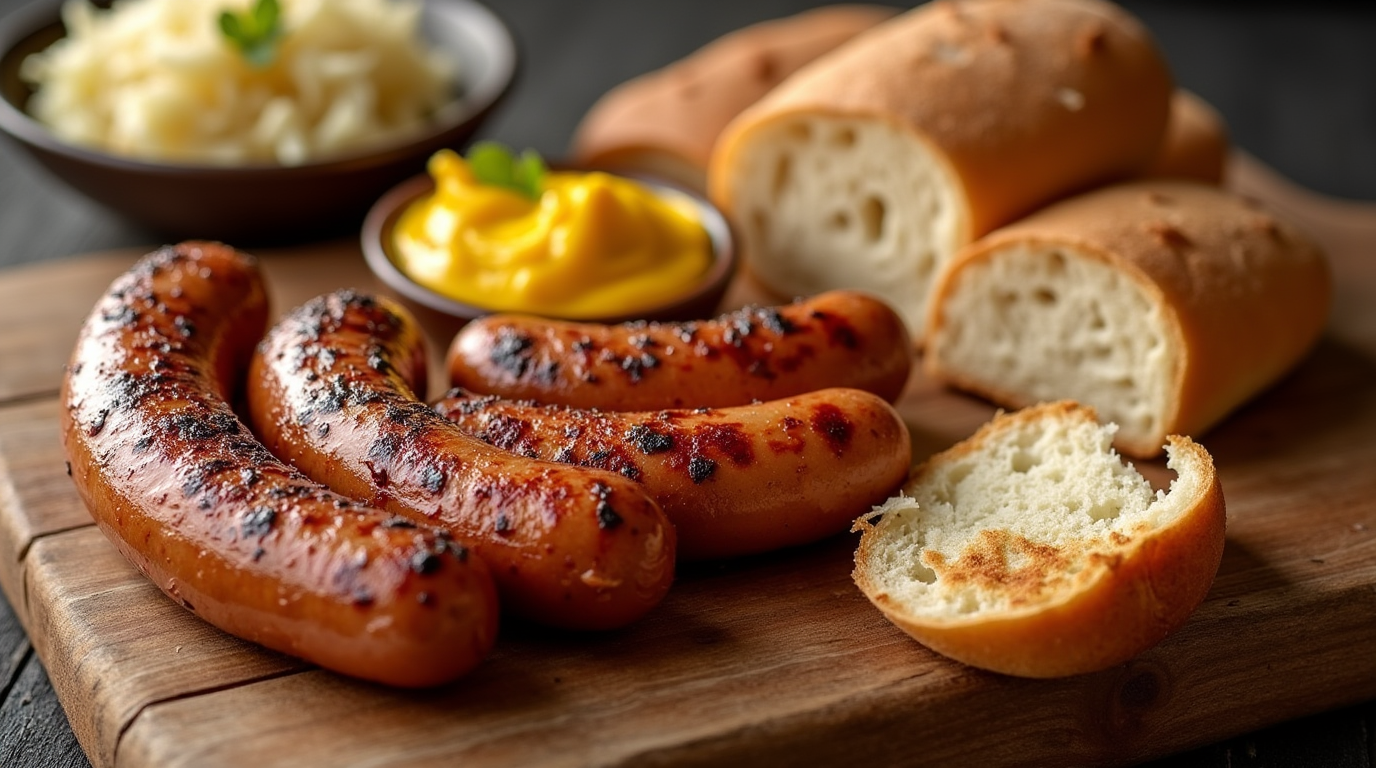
<point>158,80</point>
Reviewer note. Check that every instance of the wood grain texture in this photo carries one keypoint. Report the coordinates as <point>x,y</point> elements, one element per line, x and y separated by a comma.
<point>33,728</point>
<point>28,447</point>
<point>113,644</point>
<point>780,663</point>
<point>767,660</point>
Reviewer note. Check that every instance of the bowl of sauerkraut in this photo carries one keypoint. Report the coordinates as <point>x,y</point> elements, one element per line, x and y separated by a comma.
<point>253,121</point>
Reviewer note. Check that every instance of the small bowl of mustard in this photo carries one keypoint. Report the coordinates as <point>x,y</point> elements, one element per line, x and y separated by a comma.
<point>569,243</point>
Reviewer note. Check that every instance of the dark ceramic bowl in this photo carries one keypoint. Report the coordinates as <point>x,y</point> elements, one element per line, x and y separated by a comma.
<point>444,314</point>
<point>263,202</point>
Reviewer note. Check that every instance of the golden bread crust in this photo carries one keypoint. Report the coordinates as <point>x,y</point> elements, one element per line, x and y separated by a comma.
<point>1196,143</point>
<point>1026,102</point>
<point>1245,294</point>
<point>1135,590</point>
<point>667,121</point>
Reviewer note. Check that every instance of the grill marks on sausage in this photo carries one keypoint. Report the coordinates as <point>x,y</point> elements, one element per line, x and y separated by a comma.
<point>330,314</point>
<point>774,320</point>
<point>258,521</point>
<point>831,423</point>
<point>199,476</point>
<point>194,426</point>
<point>632,352</point>
<point>700,469</point>
<point>635,366</point>
<point>607,518</point>
<point>792,440</point>
<point>424,562</point>
<point>838,331</point>
<point>409,450</point>
<point>680,440</point>
<point>146,390</point>
<point>433,479</point>
<point>512,351</point>
<point>649,441</point>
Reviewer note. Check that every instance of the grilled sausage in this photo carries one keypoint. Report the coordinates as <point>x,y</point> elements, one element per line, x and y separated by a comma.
<point>221,526</point>
<point>331,390</point>
<point>837,339</point>
<point>734,481</point>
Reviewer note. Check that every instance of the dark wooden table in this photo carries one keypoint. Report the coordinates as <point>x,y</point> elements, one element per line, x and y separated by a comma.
<point>1297,86</point>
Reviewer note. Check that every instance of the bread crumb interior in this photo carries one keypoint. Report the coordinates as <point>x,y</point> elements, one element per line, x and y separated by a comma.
<point>837,202</point>
<point>1051,323</point>
<point>1017,522</point>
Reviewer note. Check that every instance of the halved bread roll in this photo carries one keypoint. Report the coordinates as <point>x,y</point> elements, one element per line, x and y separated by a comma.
<point>1163,304</point>
<point>1030,549</point>
<point>667,121</point>
<point>1196,143</point>
<point>871,166</point>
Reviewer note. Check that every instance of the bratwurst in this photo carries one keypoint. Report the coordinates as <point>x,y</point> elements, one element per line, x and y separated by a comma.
<point>734,481</point>
<point>247,543</point>
<point>836,339</point>
<point>332,390</point>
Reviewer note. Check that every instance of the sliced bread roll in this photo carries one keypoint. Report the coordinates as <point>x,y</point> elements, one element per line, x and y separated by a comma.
<point>1196,143</point>
<point>1165,305</point>
<point>869,167</point>
<point>666,122</point>
<point>1030,549</point>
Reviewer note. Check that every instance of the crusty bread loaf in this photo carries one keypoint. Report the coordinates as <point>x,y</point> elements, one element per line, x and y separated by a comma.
<point>871,166</point>
<point>1196,142</point>
<point>1031,549</point>
<point>666,122</point>
<point>1163,304</point>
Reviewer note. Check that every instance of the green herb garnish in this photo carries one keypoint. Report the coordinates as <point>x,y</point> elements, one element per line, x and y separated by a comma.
<point>495,164</point>
<point>254,32</point>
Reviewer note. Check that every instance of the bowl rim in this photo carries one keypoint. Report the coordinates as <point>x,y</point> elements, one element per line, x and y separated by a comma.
<point>382,217</point>
<point>476,99</point>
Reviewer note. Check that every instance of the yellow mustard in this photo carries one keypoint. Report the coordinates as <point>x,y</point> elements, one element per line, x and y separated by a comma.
<point>592,245</point>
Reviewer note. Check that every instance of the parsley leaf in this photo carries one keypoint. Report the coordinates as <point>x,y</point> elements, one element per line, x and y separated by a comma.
<point>496,165</point>
<point>254,32</point>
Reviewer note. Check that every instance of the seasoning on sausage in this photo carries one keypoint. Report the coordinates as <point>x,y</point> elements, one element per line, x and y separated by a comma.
<point>331,390</point>
<point>198,505</point>
<point>837,339</point>
<point>734,481</point>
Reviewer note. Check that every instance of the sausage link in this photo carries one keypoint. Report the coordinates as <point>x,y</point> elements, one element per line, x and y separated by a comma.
<point>734,481</point>
<point>221,526</point>
<point>836,339</point>
<point>332,392</point>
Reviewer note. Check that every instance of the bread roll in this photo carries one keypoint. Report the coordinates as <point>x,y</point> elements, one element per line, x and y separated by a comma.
<point>1163,304</point>
<point>1032,550</point>
<point>1196,143</point>
<point>871,166</point>
<point>666,122</point>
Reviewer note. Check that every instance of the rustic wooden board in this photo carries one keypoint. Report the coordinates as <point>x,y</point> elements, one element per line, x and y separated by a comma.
<point>776,659</point>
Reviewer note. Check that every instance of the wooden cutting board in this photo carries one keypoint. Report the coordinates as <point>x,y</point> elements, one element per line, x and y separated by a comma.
<point>769,660</point>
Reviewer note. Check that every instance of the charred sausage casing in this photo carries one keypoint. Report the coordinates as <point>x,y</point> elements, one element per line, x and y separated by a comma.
<point>734,481</point>
<point>220,525</point>
<point>331,390</point>
<point>836,339</point>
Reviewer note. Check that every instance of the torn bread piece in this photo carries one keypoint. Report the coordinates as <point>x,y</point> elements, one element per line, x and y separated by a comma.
<point>1030,549</point>
<point>1164,305</point>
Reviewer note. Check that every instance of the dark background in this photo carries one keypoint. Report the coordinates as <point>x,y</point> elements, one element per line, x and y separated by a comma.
<point>1295,82</point>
